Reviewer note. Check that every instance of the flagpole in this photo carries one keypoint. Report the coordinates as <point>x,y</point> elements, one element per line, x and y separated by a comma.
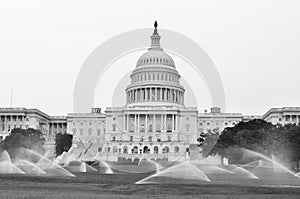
<point>11,97</point>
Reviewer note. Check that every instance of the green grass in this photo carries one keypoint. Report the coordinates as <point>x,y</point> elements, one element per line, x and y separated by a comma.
<point>96,185</point>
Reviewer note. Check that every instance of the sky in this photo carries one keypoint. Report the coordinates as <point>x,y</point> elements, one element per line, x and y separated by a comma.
<point>253,44</point>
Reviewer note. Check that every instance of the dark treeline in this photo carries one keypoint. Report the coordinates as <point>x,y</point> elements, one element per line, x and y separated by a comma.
<point>63,142</point>
<point>258,135</point>
<point>19,139</point>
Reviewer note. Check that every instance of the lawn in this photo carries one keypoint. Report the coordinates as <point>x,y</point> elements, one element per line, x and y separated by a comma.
<point>96,185</point>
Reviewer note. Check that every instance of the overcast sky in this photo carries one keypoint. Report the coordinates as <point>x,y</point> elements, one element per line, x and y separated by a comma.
<point>253,44</point>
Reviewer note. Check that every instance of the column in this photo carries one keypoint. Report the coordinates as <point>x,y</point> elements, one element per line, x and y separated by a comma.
<point>162,122</point>
<point>128,117</point>
<point>154,125</point>
<point>173,123</point>
<point>160,96</point>
<point>138,126</point>
<point>176,123</point>
<point>57,128</point>
<point>133,95</point>
<point>146,123</point>
<point>291,121</point>
<point>146,94</point>
<point>166,94</point>
<point>165,124</point>
<point>135,126</point>
<point>123,128</point>
<point>62,128</point>
<point>156,94</point>
<point>139,97</point>
<point>5,123</point>
<point>52,129</point>
<point>297,119</point>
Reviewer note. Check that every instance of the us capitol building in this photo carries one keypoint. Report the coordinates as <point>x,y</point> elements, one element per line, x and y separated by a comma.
<point>154,122</point>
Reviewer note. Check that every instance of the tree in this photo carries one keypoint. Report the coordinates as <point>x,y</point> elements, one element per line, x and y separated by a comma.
<point>23,138</point>
<point>63,142</point>
<point>258,135</point>
<point>249,135</point>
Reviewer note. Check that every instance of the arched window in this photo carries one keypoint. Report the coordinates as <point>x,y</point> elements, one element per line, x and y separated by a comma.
<point>98,131</point>
<point>146,149</point>
<point>115,149</point>
<point>176,149</point>
<point>135,150</point>
<point>155,150</point>
<point>108,149</point>
<point>125,149</point>
<point>165,149</point>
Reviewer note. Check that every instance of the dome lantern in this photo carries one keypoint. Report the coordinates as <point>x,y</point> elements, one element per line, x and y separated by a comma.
<point>155,38</point>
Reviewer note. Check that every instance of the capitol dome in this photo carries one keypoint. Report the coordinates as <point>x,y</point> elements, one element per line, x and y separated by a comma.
<point>155,80</point>
<point>155,56</point>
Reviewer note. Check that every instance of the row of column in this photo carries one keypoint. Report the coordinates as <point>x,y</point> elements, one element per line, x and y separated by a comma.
<point>15,120</point>
<point>55,128</point>
<point>149,119</point>
<point>291,119</point>
<point>155,94</point>
<point>154,77</point>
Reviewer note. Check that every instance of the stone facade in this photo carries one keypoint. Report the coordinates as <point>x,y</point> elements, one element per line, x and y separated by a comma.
<point>285,115</point>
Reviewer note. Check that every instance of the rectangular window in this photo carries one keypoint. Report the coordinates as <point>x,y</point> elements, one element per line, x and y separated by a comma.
<point>169,139</point>
<point>131,138</point>
<point>114,127</point>
<point>158,129</point>
<point>169,127</point>
<point>187,127</point>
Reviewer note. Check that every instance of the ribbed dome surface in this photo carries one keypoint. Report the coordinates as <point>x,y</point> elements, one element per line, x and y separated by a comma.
<point>155,57</point>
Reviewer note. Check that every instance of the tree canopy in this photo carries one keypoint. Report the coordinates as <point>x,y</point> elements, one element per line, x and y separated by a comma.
<point>23,138</point>
<point>63,142</point>
<point>260,136</point>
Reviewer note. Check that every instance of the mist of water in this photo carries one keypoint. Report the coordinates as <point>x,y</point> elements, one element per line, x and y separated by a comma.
<point>185,170</point>
<point>270,160</point>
